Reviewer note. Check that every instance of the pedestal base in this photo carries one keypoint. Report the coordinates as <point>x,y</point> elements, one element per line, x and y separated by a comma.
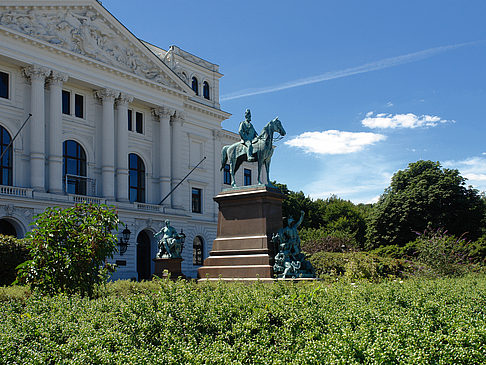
<point>248,217</point>
<point>165,266</point>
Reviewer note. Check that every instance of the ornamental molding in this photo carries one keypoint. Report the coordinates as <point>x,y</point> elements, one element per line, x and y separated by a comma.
<point>124,99</point>
<point>162,112</point>
<point>58,78</point>
<point>106,94</point>
<point>83,31</point>
<point>36,72</point>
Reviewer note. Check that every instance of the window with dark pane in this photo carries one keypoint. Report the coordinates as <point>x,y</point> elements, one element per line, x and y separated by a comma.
<point>74,167</point>
<point>247,177</point>
<point>197,250</point>
<point>136,178</point>
<point>139,122</point>
<point>196,200</point>
<point>206,90</point>
<point>195,85</point>
<point>6,163</point>
<point>79,106</point>
<point>66,102</point>
<point>227,175</point>
<point>4,85</point>
<point>130,120</point>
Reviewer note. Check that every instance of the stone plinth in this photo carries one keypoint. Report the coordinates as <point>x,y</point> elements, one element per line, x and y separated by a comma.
<point>248,217</point>
<point>173,266</point>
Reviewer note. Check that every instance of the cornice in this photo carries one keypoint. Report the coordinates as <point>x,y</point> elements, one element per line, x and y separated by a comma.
<point>213,112</point>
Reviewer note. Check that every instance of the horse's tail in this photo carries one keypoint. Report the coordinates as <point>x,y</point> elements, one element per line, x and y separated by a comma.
<point>224,157</point>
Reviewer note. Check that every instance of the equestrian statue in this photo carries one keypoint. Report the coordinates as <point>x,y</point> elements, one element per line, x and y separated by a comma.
<point>252,147</point>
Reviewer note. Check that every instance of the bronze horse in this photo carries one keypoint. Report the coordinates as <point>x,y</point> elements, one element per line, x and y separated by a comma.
<point>235,154</point>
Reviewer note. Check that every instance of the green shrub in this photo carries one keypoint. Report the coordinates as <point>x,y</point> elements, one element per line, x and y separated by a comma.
<point>13,252</point>
<point>443,254</point>
<point>69,248</point>
<point>354,266</point>
<point>321,239</point>
<point>424,321</point>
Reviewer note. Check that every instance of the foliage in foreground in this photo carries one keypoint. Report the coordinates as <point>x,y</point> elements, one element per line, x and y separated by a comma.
<point>414,322</point>
<point>69,248</point>
<point>13,252</point>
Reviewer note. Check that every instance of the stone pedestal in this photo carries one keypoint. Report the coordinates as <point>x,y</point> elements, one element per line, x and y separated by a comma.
<point>248,217</point>
<point>173,266</point>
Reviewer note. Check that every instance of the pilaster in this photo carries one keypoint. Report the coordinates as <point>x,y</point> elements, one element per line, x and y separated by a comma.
<point>107,97</point>
<point>177,195</point>
<point>55,131</point>
<point>37,75</point>
<point>122,147</point>
<point>165,155</point>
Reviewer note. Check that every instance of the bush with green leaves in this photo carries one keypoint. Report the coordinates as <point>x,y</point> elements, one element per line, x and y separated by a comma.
<point>13,252</point>
<point>355,266</point>
<point>440,321</point>
<point>69,248</point>
<point>444,254</point>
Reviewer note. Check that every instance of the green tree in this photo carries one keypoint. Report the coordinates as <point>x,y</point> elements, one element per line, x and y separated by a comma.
<point>69,248</point>
<point>425,195</point>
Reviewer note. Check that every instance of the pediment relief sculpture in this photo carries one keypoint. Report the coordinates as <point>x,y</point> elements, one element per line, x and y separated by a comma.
<point>85,32</point>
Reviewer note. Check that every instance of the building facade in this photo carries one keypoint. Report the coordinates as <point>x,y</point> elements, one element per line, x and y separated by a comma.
<point>114,120</point>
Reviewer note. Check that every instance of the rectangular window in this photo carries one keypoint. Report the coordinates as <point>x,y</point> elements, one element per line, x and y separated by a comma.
<point>130,120</point>
<point>227,175</point>
<point>247,177</point>
<point>79,106</point>
<point>66,102</point>
<point>4,80</point>
<point>196,200</point>
<point>139,122</point>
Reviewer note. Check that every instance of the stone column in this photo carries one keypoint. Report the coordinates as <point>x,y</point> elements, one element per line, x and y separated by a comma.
<point>122,147</point>
<point>165,155</point>
<point>37,76</point>
<point>108,97</point>
<point>177,168</point>
<point>55,131</point>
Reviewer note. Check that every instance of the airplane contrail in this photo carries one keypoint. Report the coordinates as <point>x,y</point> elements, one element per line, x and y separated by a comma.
<point>367,67</point>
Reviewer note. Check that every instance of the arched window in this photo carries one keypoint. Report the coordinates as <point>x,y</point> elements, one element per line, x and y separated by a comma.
<point>6,162</point>
<point>74,167</point>
<point>206,90</point>
<point>197,250</point>
<point>136,178</point>
<point>195,85</point>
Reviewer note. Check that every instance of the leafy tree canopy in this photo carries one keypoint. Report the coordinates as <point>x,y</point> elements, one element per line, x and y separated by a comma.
<point>425,195</point>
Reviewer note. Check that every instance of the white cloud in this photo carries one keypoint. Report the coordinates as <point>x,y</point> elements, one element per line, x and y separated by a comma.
<point>409,120</point>
<point>333,142</point>
<point>389,104</point>
<point>368,67</point>
<point>360,178</point>
<point>473,169</point>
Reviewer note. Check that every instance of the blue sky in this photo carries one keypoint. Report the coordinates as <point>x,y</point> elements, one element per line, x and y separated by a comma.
<point>362,88</point>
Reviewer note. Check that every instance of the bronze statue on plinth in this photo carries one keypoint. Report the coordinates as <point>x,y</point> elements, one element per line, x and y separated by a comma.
<point>252,148</point>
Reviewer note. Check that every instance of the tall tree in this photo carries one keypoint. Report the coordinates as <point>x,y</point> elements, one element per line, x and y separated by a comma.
<point>421,196</point>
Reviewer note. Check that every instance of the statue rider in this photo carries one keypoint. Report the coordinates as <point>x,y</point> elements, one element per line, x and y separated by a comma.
<point>248,134</point>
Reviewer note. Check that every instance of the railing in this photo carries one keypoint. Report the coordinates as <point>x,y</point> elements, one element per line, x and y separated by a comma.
<point>148,207</point>
<point>79,185</point>
<point>15,191</point>
<point>87,199</point>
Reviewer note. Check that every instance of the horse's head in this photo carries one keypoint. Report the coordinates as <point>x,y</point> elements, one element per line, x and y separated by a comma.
<point>277,126</point>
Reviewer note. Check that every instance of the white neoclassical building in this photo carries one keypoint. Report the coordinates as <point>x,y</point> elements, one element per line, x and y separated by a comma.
<point>115,121</point>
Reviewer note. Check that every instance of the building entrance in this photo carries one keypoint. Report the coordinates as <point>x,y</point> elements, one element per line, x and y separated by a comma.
<point>144,256</point>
